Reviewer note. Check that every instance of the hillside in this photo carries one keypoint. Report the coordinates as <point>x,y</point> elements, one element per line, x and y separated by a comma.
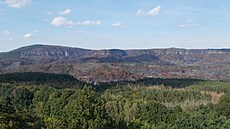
<point>138,105</point>
<point>36,78</point>
<point>115,65</point>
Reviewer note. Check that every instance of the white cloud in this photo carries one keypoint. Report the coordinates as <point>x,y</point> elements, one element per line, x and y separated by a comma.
<point>6,32</point>
<point>119,25</point>
<point>189,23</point>
<point>65,12</point>
<point>116,24</point>
<point>89,23</point>
<point>27,36</point>
<point>140,12</point>
<point>61,21</point>
<point>17,3</point>
<point>153,12</point>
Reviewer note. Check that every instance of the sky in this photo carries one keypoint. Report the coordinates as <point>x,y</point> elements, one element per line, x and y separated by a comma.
<point>121,24</point>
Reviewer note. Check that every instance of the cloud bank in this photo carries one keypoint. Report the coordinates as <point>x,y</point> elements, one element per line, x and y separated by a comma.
<point>61,21</point>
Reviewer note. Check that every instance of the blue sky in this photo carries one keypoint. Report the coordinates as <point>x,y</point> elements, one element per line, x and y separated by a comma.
<point>125,24</point>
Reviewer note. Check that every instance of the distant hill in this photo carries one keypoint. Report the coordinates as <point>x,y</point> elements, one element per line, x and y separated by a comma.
<point>37,78</point>
<point>170,55</point>
<point>115,64</point>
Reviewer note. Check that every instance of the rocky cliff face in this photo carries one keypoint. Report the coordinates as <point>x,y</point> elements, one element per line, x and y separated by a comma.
<point>115,64</point>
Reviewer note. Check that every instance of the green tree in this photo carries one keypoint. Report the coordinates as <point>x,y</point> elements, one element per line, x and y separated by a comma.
<point>223,107</point>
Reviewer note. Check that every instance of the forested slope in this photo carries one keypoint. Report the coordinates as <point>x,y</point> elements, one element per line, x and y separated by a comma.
<point>96,66</point>
<point>38,78</point>
<point>199,105</point>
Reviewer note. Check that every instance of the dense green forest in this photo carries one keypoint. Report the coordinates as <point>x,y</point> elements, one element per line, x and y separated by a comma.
<point>38,78</point>
<point>38,100</point>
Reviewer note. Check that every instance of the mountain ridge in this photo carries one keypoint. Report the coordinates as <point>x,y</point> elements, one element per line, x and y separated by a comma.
<point>117,64</point>
<point>127,49</point>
